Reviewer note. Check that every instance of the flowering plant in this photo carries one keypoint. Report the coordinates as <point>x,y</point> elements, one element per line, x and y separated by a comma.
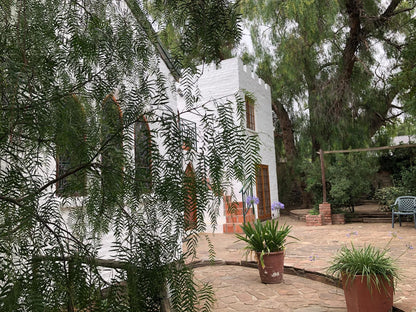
<point>251,200</point>
<point>265,237</point>
<point>277,205</point>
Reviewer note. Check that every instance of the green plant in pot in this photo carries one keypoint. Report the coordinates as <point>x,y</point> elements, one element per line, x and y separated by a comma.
<point>268,241</point>
<point>368,277</point>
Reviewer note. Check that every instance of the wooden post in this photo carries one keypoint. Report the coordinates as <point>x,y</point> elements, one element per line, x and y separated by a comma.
<point>321,156</point>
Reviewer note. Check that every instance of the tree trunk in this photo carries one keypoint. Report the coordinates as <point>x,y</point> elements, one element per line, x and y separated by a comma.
<point>291,152</point>
<point>287,130</point>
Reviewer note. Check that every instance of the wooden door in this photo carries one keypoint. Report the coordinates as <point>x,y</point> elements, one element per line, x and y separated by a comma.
<point>263,192</point>
<point>190,198</point>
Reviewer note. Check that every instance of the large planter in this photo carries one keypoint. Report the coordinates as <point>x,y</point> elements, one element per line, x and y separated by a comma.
<point>272,272</point>
<point>361,297</point>
<point>313,220</point>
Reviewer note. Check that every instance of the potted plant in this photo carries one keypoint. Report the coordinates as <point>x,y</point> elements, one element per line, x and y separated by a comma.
<point>368,276</point>
<point>268,241</point>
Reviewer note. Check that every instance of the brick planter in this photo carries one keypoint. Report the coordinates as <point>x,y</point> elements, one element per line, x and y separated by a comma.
<point>338,218</point>
<point>313,220</point>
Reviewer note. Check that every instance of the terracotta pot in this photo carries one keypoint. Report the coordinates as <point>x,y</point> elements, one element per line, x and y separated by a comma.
<point>361,297</point>
<point>272,272</point>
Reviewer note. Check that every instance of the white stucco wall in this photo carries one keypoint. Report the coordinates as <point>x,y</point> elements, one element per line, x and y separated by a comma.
<point>221,84</point>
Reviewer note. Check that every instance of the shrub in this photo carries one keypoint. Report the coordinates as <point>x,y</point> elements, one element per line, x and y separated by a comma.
<point>369,261</point>
<point>348,178</point>
<point>387,195</point>
<point>408,179</point>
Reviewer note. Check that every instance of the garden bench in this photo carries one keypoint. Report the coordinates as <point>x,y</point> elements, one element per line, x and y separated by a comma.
<point>406,205</point>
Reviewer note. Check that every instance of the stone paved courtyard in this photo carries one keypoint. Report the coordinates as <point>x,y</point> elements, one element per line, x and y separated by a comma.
<point>239,288</point>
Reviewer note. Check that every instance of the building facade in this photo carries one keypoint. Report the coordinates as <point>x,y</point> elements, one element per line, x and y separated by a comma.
<point>223,83</point>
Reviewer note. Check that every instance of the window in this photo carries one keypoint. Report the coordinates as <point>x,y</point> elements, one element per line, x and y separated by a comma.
<point>250,118</point>
<point>112,158</point>
<point>63,164</point>
<point>142,156</point>
<point>71,149</point>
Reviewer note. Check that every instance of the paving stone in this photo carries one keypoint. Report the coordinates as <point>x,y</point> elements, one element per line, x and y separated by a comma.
<point>313,308</point>
<point>246,298</point>
<point>330,297</point>
<point>287,291</point>
<point>259,296</point>
<point>229,299</point>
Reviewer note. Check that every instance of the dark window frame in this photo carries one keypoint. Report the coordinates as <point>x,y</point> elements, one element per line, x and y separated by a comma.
<point>250,113</point>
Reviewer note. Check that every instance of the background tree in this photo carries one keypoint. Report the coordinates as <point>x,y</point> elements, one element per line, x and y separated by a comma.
<point>346,63</point>
<point>75,78</point>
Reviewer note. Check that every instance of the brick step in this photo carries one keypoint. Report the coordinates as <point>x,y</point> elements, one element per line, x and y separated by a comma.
<point>376,220</point>
<point>239,213</point>
<point>372,214</point>
<point>233,228</point>
<point>228,202</point>
<point>239,218</point>
<point>235,208</point>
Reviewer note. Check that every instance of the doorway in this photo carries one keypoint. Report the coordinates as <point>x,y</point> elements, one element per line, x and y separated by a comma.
<point>263,192</point>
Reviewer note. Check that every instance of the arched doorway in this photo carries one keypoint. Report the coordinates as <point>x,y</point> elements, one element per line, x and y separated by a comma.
<point>190,212</point>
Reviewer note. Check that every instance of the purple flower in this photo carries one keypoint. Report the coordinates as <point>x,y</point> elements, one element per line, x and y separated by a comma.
<point>278,205</point>
<point>351,233</point>
<point>250,200</point>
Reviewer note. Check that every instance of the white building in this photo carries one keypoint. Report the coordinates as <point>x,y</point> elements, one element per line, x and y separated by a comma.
<point>219,84</point>
<point>222,83</point>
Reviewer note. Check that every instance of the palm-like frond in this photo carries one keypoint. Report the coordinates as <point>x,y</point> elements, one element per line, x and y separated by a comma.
<point>61,64</point>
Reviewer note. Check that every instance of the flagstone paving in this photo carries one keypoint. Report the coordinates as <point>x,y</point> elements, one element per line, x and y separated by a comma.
<point>239,288</point>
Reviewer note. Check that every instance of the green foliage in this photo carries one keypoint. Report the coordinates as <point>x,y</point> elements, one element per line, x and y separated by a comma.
<point>71,143</point>
<point>387,195</point>
<point>405,185</point>
<point>61,63</point>
<point>369,261</point>
<point>348,176</point>
<point>397,160</point>
<point>314,180</point>
<point>312,66</point>
<point>195,30</point>
<point>408,181</point>
<point>314,212</point>
<point>265,237</point>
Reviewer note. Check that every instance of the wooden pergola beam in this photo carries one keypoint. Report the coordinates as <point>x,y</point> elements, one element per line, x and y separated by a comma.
<point>321,154</point>
<point>369,149</point>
